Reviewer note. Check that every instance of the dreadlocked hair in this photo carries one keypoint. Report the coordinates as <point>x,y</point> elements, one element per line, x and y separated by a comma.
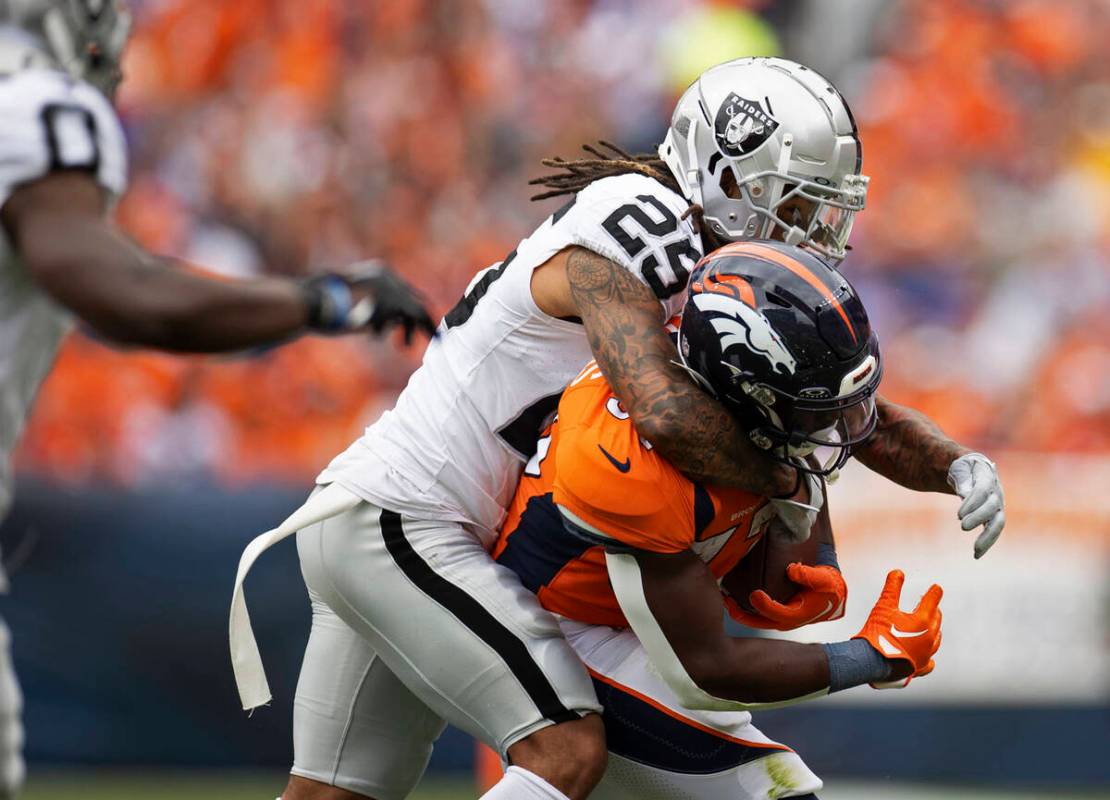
<point>574,176</point>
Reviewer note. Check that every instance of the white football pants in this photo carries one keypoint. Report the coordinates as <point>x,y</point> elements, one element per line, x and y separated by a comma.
<point>412,624</point>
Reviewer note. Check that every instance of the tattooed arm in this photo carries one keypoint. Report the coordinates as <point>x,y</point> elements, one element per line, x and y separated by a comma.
<point>910,449</point>
<point>624,323</point>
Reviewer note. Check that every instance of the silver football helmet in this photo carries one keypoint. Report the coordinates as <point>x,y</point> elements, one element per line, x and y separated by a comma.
<point>765,145</point>
<point>82,37</point>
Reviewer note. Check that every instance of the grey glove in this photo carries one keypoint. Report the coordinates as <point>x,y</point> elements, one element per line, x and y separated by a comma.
<point>974,478</point>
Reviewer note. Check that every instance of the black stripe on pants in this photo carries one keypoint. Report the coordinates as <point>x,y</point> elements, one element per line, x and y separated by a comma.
<point>474,616</point>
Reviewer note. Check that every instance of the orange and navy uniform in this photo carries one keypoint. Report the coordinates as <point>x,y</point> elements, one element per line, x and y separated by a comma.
<point>595,484</point>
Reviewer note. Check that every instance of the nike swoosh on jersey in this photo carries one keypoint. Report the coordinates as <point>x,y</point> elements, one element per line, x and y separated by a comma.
<point>622,466</point>
<point>904,634</point>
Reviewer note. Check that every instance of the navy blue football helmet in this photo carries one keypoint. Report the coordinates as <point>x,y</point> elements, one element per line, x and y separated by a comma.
<point>783,340</point>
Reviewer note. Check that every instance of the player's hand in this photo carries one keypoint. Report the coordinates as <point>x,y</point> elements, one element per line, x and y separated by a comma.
<point>974,478</point>
<point>748,618</point>
<point>908,640</point>
<point>365,295</point>
<point>822,597</point>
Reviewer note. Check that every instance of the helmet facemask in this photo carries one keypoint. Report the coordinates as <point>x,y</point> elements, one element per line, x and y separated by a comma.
<point>815,436</point>
<point>85,38</point>
<point>787,207</point>
<point>88,38</point>
<point>812,431</point>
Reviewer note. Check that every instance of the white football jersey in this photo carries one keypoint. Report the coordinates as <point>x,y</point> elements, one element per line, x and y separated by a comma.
<point>469,419</point>
<point>48,121</point>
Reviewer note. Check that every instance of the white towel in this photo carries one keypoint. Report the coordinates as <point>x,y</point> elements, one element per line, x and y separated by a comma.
<point>250,675</point>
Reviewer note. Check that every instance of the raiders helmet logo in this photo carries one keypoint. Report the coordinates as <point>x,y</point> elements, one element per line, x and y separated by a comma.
<point>742,126</point>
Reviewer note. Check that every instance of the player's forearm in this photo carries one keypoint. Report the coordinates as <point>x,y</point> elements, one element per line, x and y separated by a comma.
<point>763,671</point>
<point>129,296</point>
<point>910,449</point>
<point>698,435</point>
<point>692,430</point>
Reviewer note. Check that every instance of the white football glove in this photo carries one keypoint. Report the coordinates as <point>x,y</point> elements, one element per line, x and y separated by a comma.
<point>974,477</point>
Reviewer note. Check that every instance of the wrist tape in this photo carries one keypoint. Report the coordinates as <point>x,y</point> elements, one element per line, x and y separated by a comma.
<point>854,663</point>
<point>826,556</point>
<point>328,301</point>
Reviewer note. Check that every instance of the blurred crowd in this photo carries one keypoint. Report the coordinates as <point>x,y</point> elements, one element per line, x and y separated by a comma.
<point>283,136</point>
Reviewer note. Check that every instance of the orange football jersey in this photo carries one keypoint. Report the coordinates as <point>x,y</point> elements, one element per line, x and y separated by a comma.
<point>592,474</point>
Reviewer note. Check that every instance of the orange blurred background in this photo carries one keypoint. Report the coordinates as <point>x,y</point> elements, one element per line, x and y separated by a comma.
<point>282,136</point>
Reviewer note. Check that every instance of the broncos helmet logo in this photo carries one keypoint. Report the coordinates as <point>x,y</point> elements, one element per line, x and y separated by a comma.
<point>745,326</point>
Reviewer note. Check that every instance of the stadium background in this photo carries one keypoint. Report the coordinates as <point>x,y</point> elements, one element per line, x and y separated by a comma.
<point>282,136</point>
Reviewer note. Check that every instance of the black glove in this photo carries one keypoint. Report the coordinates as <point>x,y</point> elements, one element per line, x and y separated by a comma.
<point>367,294</point>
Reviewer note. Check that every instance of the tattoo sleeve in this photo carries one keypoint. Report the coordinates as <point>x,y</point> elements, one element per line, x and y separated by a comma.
<point>623,321</point>
<point>910,449</point>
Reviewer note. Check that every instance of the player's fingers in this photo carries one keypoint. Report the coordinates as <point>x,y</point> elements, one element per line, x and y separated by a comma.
<point>768,607</point>
<point>929,602</point>
<point>982,484</point>
<point>750,619</point>
<point>926,669</point>
<point>796,571</point>
<point>892,589</point>
<point>991,506</point>
<point>985,541</point>
<point>410,328</point>
<point>801,574</point>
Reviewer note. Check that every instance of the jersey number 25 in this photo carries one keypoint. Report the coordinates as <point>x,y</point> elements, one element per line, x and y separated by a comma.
<point>622,224</point>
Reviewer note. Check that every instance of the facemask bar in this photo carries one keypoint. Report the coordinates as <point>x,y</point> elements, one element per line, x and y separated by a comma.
<point>785,443</point>
<point>789,445</point>
<point>89,47</point>
<point>830,224</point>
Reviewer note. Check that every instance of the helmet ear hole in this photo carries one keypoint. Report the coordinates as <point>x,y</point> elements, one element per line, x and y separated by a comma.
<point>728,184</point>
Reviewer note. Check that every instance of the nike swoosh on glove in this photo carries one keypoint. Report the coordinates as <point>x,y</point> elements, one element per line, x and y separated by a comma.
<point>899,636</point>
<point>974,478</point>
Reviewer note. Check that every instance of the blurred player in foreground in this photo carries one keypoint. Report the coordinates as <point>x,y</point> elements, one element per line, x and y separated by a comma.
<point>629,552</point>
<point>408,608</point>
<point>62,165</point>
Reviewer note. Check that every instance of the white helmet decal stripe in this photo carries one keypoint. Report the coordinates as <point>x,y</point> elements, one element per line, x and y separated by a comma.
<point>746,326</point>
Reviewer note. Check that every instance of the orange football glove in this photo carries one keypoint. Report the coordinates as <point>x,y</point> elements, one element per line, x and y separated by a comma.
<point>745,617</point>
<point>909,639</point>
<point>822,597</point>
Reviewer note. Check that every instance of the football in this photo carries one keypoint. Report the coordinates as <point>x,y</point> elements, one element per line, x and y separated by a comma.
<point>765,566</point>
